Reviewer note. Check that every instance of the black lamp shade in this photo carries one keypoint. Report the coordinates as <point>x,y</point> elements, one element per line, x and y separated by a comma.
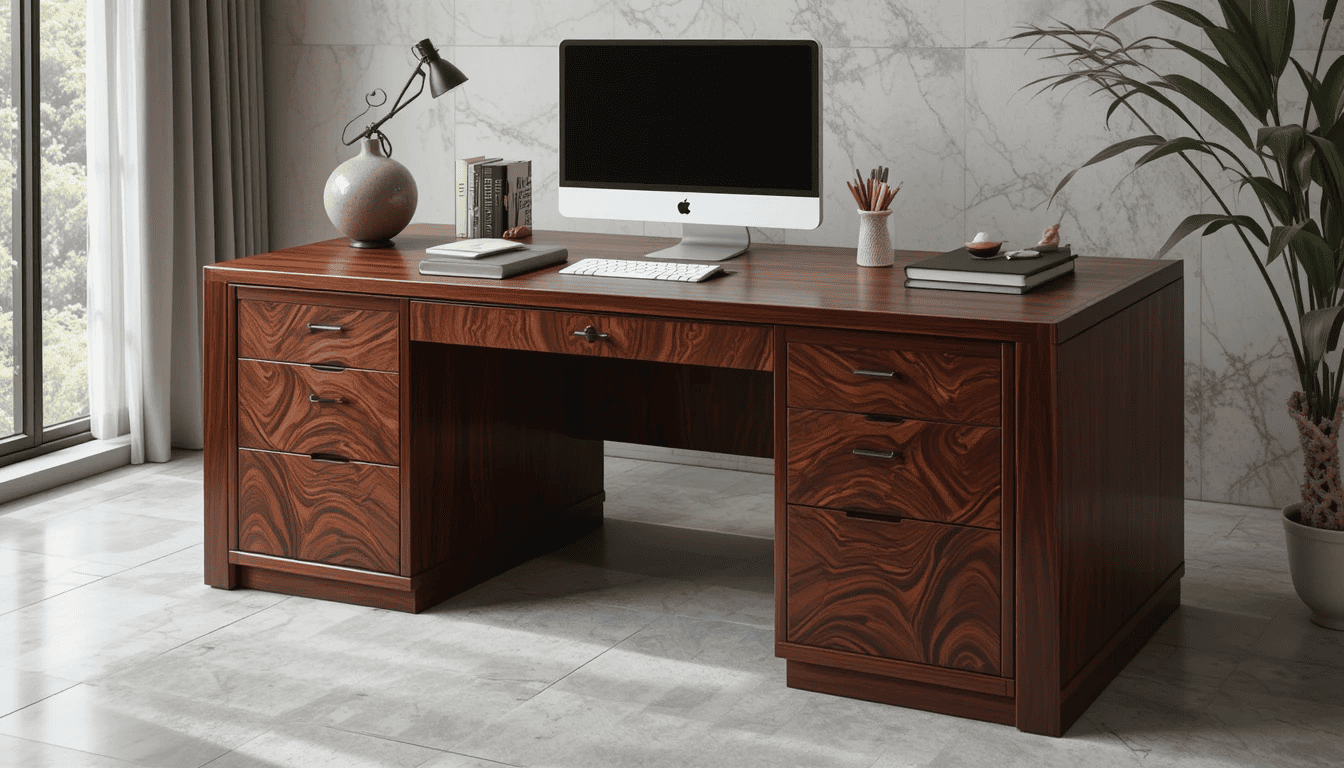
<point>443,77</point>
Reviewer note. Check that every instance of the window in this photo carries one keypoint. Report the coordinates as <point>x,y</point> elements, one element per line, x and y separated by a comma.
<point>44,384</point>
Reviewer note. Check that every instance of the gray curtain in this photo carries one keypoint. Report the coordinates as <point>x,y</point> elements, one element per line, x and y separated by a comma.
<point>177,180</point>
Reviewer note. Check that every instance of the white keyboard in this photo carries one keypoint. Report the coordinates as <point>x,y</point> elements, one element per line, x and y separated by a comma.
<point>643,270</point>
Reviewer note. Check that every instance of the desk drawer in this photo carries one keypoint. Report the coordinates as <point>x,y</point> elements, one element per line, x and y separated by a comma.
<point>276,411</point>
<point>927,470</point>
<point>340,514</point>
<point>923,383</point>
<point>317,333</point>
<point>634,338</point>
<point>915,591</point>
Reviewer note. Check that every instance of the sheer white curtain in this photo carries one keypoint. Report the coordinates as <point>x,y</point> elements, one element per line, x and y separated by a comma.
<point>176,144</point>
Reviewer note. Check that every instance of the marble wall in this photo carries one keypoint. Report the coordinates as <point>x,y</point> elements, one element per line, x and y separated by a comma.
<point>931,89</point>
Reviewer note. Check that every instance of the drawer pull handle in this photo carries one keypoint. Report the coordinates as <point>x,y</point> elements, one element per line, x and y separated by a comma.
<point>327,368</point>
<point>874,454</point>
<point>324,400</point>
<point>315,327</point>
<point>329,458</point>
<point>875,374</point>
<point>884,419</point>
<point>590,333</point>
<point>863,514</point>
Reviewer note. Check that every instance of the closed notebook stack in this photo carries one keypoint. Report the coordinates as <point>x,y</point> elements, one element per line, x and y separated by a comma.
<point>497,266</point>
<point>960,271</point>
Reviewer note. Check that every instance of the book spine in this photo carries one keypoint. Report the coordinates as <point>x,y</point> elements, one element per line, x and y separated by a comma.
<point>488,202</point>
<point>499,220</point>
<point>474,209</point>
<point>520,194</point>
<point>460,199</point>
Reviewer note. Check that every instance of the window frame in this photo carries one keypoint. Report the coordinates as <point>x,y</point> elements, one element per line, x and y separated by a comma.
<point>35,438</point>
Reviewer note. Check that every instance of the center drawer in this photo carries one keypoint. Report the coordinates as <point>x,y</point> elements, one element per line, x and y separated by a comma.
<point>577,333</point>
<point>301,409</point>
<point>949,473</point>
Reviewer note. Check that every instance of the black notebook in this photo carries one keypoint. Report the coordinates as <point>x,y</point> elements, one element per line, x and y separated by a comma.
<point>499,266</point>
<point>960,266</point>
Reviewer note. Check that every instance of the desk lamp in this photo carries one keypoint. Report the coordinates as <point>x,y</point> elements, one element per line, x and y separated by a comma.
<point>371,197</point>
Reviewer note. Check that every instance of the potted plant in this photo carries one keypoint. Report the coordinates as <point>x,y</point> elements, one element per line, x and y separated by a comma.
<point>1294,165</point>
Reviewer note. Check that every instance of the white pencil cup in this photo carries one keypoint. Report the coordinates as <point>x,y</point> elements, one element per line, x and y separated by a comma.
<point>874,239</point>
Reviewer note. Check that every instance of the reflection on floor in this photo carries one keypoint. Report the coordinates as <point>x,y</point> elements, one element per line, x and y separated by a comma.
<point>643,644</point>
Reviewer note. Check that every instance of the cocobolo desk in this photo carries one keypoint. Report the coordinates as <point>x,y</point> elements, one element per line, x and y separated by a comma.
<point>977,497</point>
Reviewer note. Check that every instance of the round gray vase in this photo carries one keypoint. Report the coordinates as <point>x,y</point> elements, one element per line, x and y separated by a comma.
<point>370,197</point>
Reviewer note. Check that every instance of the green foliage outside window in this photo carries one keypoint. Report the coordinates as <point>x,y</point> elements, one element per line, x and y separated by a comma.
<point>64,205</point>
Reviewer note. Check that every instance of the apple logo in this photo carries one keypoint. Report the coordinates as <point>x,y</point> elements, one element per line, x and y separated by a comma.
<point>684,206</point>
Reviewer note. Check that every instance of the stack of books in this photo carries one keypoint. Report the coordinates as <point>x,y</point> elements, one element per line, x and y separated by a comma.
<point>493,195</point>
<point>960,271</point>
<point>490,258</point>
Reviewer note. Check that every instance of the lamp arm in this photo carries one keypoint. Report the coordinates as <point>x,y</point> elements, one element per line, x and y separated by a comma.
<point>397,106</point>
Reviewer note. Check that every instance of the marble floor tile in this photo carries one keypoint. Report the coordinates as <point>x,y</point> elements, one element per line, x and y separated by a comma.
<point>19,688</point>
<point>135,725</point>
<point>295,745</point>
<point>641,644</point>
<point>25,753</point>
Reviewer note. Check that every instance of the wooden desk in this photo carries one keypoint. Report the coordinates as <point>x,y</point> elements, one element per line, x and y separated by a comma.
<point>977,497</point>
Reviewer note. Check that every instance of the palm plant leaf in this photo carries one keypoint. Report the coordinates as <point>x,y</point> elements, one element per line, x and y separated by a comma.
<point>1181,12</point>
<point>1320,334</point>
<point>1279,237</point>
<point>1214,221</point>
<point>1212,105</point>
<point>1275,199</point>
<point>1118,148</point>
<point>1273,22</point>
<point>1225,74</point>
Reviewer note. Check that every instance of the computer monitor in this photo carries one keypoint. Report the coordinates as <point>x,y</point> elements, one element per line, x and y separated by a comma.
<point>718,135</point>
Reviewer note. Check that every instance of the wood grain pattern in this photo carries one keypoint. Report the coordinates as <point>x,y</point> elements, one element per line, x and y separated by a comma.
<point>878,666</point>
<point>219,417</point>
<point>941,472</point>
<point>901,693</point>
<point>339,514</point>
<point>944,386</point>
<point>1038,555</point>
<point>631,338</point>
<point>496,476</point>
<point>916,591</point>
<point>275,330</point>
<point>1121,518</point>
<point>276,414</point>
<point>774,284</point>
<point>721,410</point>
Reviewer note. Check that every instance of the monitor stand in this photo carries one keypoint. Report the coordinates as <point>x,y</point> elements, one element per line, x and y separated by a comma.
<point>707,242</point>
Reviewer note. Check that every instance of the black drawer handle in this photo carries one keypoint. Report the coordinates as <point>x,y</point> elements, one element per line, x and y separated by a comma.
<point>324,400</point>
<point>863,514</point>
<point>327,367</point>
<point>329,458</point>
<point>884,419</point>
<point>590,333</point>
<point>868,452</point>
<point>315,327</point>
<point>875,374</point>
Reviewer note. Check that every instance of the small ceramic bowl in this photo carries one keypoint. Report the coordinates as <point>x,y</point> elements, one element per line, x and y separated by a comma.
<point>984,249</point>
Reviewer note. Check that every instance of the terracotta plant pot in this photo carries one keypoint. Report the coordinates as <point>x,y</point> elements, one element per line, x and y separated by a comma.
<point>1316,561</point>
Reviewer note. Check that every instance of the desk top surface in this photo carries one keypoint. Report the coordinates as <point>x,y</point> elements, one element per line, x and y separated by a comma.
<point>771,284</point>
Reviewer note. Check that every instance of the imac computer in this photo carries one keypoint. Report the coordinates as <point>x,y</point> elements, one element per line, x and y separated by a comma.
<point>717,135</point>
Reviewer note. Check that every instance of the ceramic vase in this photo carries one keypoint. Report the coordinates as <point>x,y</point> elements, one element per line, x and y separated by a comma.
<point>370,197</point>
<point>1316,562</point>
<point>874,239</point>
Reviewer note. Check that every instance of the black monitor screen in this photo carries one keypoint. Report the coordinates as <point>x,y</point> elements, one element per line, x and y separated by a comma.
<point>739,117</point>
